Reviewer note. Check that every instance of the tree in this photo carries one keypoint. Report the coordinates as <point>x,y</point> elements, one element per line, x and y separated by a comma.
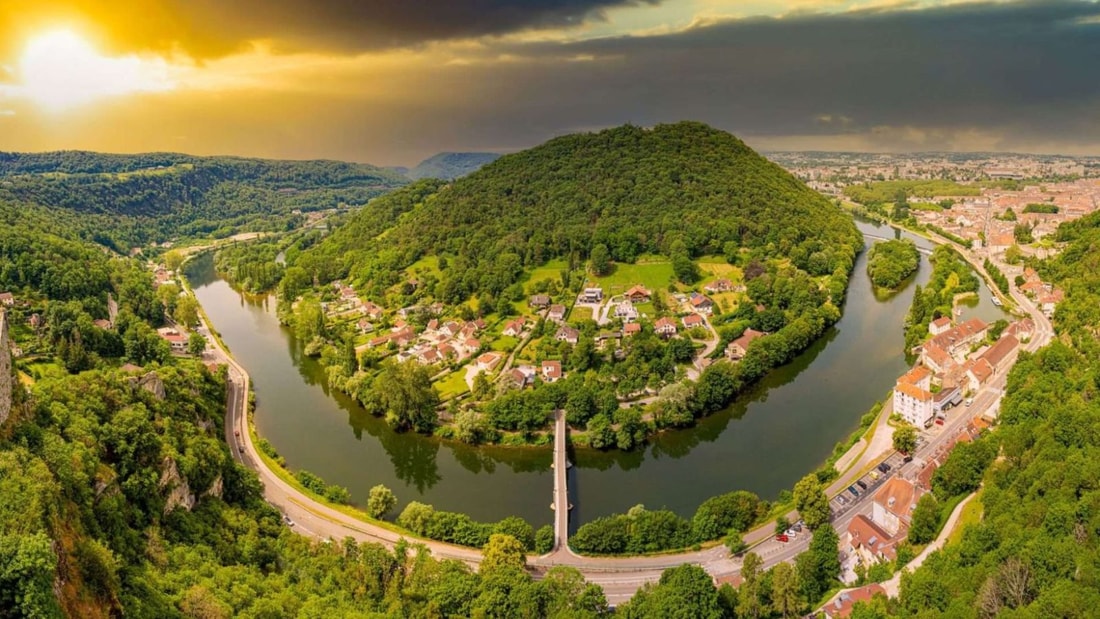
<point>380,501</point>
<point>544,539</point>
<point>925,520</point>
<point>905,439</point>
<point>785,597</point>
<point>811,502</point>
<point>196,344</point>
<point>187,311</point>
<point>600,260</point>
<point>748,594</point>
<point>819,566</point>
<point>502,551</point>
<point>782,524</point>
<point>404,393</point>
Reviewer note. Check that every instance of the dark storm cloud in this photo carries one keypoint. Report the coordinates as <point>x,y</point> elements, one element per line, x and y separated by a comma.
<point>1028,70</point>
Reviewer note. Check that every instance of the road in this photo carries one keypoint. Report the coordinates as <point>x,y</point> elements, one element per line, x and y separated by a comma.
<point>620,577</point>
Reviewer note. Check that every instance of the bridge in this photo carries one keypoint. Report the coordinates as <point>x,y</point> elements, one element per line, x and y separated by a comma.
<point>561,505</point>
<point>926,252</point>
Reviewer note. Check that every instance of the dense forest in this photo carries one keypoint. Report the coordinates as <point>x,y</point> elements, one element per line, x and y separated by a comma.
<point>889,263</point>
<point>683,189</point>
<point>127,201</point>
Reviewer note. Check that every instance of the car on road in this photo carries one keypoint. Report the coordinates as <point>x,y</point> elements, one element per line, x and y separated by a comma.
<point>237,433</point>
<point>288,521</point>
<point>853,490</point>
<point>782,537</point>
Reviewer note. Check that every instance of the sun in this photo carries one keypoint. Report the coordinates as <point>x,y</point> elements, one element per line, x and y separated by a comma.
<point>59,70</point>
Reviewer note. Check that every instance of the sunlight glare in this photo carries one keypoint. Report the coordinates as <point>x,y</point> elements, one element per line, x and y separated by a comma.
<point>60,70</point>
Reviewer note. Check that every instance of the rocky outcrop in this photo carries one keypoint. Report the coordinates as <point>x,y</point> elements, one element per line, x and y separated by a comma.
<point>150,382</point>
<point>179,492</point>
<point>5,369</point>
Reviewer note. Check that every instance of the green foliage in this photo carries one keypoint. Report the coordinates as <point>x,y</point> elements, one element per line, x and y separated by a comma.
<point>332,492</point>
<point>954,238</point>
<point>635,532</point>
<point>998,277</point>
<point>380,501</point>
<point>599,260</point>
<point>819,566</point>
<point>684,592</point>
<point>544,539</point>
<point>629,190</point>
<point>731,512</point>
<point>811,502</point>
<point>951,275</point>
<point>1050,209</point>
<point>887,191</point>
<point>905,438</point>
<point>124,201</point>
<point>892,262</point>
<point>250,266</point>
<point>403,393</point>
<point>925,521</point>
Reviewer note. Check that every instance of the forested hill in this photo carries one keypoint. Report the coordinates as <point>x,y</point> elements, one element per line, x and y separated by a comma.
<point>680,188</point>
<point>449,166</point>
<point>132,200</point>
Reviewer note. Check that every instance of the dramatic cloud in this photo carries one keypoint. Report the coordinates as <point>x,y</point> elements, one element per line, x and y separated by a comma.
<point>204,28</point>
<point>914,76</point>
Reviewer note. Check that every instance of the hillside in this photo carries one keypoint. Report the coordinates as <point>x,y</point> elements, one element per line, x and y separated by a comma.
<point>132,200</point>
<point>449,166</point>
<point>682,188</point>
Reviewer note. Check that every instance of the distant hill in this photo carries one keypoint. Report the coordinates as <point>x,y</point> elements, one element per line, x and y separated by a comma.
<point>136,199</point>
<point>449,166</point>
<point>680,188</point>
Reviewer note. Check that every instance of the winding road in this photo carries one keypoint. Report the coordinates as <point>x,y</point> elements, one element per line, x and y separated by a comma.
<point>620,577</point>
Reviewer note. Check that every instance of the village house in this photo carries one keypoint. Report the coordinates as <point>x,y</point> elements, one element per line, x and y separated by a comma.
<point>1003,353</point>
<point>913,403</point>
<point>1048,301</point>
<point>551,371</point>
<point>693,320</point>
<point>867,542</point>
<point>518,378</point>
<point>665,327</point>
<point>1022,330</point>
<point>488,361</point>
<point>447,351</point>
<point>738,348</point>
<point>632,328</point>
<point>841,606</point>
<point>701,304</point>
<point>718,285</point>
<point>638,294</point>
<point>364,326</point>
<point>893,505</point>
<point>513,328</point>
<point>556,313</point>
<point>568,334</point>
<point>626,311</point>
<point>176,340</point>
<point>539,301</point>
<point>374,312</point>
<point>429,356</point>
<point>470,346</point>
<point>955,342</point>
<point>591,295</point>
<point>978,373</point>
<point>936,359</point>
<point>939,325</point>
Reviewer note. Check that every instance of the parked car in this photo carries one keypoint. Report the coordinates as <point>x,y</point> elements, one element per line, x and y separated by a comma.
<point>874,474</point>
<point>907,458</point>
<point>939,421</point>
<point>853,490</point>
<point>969,401</point>
<point>862,484</point>
<point>782,537</point>
<point>885,468</point>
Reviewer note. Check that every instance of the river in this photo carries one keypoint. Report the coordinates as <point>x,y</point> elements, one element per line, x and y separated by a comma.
<point>784,427</point>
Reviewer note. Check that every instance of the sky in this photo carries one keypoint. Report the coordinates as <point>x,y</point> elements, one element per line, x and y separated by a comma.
<point>391,82</point>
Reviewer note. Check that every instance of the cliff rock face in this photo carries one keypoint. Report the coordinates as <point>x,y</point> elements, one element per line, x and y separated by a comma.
<point>5,369</point>
<point>151,383</point>
<point>179,492</point>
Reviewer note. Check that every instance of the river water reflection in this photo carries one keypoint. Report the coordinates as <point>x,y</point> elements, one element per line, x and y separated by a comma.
<point>768,439</point>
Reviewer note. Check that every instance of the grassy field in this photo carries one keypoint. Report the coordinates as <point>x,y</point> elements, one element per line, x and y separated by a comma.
<point>581,313</point>
<point>453,384</point>
<point>427,264</point>
<point>971,514</point>
<point>654,275</point>
<point>716,267</point>
<point>504,343</point>
<point>550,270</point>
